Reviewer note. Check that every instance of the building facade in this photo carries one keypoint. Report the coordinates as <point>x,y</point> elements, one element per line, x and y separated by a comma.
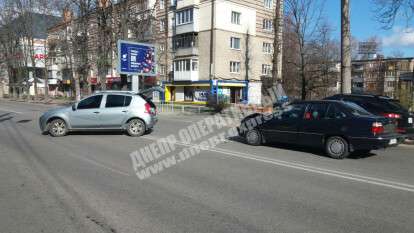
<point>23,62</point>
<point>221,46</point>
<point>203,46</point>
<point>390,77</point>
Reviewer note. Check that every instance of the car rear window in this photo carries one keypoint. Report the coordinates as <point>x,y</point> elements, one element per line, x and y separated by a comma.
<point>393,106</point>
<point>149,101</point>
<point>355,109</point>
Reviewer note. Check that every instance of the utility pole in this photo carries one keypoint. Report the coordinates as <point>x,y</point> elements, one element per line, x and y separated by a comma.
<point>346,82</point>
<point>278,42</point>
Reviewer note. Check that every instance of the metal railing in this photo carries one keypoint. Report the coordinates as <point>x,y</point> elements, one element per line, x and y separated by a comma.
<point>171,107</point>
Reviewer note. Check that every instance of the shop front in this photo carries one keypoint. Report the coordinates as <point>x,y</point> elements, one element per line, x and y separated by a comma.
<point>198,92</point>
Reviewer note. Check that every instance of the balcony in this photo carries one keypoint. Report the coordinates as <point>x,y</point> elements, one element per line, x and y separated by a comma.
<point>185,45</point>
<point>186,21</point>
<point>186,28</point>
<point>186,70</point>
<point>186,76</point>
<point>186,3</point>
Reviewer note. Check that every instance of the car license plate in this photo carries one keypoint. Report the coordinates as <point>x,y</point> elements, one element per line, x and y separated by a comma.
<point>410,120</point>
<point>393,141</point>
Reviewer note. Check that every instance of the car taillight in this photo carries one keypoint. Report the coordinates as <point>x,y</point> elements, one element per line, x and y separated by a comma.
<point>147,108</point>
<point>392,115</point>
<point>377,128</point>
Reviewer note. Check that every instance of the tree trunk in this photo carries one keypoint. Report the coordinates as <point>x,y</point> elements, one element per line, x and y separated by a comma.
<point>46,79</point>
<point>346,81</point>
<point>278,42</point>
<point>77,87</point>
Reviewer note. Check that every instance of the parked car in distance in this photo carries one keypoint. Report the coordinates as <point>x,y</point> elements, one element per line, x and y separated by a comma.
<point>383,106</point>
<point>107,110</point>
<point>337,126</point>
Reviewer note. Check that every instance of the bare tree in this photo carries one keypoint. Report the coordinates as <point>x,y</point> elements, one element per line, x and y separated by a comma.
<point>278,41</point>
<point>78,45</point>
<point>388,10</point>
<point>303,20</point>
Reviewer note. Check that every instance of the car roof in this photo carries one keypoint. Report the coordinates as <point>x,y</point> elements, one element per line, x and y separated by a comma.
<point>316,101</point>
<point>362,95</point>
<point>131,93</point>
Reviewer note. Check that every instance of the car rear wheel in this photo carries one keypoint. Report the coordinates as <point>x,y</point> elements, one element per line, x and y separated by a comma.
<point>337,147</point>
<point>136,128</point>
<point>58,128</point>
<point>253,137</point>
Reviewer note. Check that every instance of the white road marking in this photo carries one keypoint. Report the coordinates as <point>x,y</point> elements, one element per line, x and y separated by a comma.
<point>309,168</point>
<point>98,164</point>
<point>8,110</point>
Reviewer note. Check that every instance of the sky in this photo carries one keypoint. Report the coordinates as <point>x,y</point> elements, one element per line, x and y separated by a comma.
<point>364,25</point>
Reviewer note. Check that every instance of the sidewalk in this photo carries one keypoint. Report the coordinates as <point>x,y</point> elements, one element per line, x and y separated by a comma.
<point>56,102</point>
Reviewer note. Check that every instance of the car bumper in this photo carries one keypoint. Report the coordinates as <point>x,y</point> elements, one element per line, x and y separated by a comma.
<point>409,133</point>
<point>43,124</point>
<point>375,143</point>
<point>152,121</point>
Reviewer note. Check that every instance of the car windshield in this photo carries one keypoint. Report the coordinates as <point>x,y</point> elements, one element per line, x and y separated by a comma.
<point>356,110</point>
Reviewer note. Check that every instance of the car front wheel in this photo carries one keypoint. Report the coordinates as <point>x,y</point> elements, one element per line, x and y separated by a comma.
<point>253,137</point>
<point>136,128</point>
<point>58,128</point>
<point>337,147</point>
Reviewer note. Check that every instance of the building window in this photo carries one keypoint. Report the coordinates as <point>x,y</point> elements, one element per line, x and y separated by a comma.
<point>185,65</point>
<point>268,4</point>
<point>234,43</point>
<point>235,17</point>
<point>234,67</point>
<point>162,47</point>
<point>185,16</point>
<point>162,25</point>
<point>162,69</point>
<point>267,48</point>
<point>266,70</point>
<point>267,25</point>
<point>162,4</point>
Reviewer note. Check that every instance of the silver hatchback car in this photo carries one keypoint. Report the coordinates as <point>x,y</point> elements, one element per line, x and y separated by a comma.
<point>107,110</point>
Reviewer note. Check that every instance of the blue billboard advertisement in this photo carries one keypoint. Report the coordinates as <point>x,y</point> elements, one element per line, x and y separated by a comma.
<point>136,58</point>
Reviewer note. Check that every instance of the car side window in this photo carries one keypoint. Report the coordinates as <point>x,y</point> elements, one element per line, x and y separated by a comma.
<point>293,111</point>
<point>127,101</point>
<point>334,113</point>
<point>90,102</point>
<point>114,101</point>
<point>316,111</point>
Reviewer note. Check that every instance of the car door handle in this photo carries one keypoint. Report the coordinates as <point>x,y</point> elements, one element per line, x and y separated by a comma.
<point>125,111</point>
<point>96,112</point>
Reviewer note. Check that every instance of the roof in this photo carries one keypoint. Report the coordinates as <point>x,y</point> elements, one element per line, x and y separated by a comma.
<point>39,23</point>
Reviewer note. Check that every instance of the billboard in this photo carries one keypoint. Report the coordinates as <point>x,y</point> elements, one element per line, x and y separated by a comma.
<point>136,58</point>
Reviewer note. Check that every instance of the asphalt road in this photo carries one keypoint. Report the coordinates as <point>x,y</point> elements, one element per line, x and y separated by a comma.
<point>85,182</point>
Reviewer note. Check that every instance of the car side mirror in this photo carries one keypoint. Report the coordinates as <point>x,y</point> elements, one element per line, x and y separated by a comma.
<point>73,107</point>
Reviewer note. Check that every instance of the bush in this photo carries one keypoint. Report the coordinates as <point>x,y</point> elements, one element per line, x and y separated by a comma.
<point>217,102</point>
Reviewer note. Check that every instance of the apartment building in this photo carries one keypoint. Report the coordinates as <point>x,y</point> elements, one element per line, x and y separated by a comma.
<point>381,76</point>
<point>23,64</point>
<point>126,20</point>
<point>203,46</point>
<point>222,46</point>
